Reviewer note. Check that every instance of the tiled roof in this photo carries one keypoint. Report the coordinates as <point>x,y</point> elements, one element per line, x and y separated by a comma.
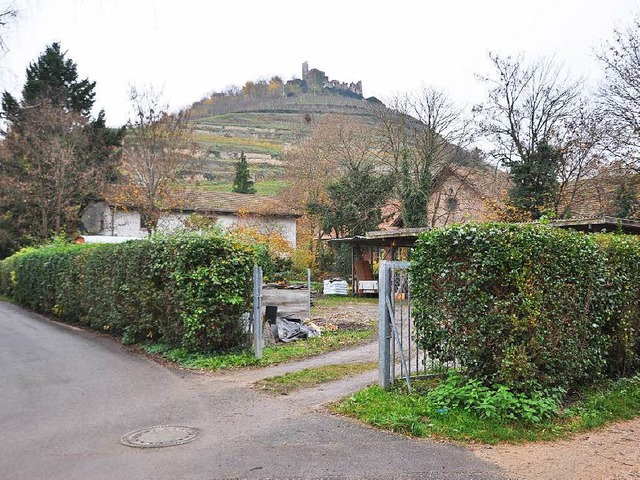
<point>206,202</point>
<point>488,182</point>
<point>597,196</point>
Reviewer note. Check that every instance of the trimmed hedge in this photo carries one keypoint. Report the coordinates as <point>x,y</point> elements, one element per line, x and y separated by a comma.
<point>620,304</point>
<point>186,289</point>
<point>528,306</point>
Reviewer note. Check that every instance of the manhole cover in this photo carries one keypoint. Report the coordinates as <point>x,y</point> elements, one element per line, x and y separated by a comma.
<point>160,436</point>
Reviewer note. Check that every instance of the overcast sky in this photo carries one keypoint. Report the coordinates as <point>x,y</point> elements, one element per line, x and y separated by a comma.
<point>189,48</point>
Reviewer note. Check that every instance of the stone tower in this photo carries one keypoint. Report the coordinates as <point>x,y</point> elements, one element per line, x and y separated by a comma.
<point>305,71</point>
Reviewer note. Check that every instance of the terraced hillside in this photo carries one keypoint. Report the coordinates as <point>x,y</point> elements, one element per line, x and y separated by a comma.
<point>264,130</point>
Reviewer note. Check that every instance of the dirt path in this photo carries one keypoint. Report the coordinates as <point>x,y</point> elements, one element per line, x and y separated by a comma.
<point>611,453</point>
<point>363,353</point>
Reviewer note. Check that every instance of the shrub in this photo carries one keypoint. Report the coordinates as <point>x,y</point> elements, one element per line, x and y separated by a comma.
<point>186,289</point>
<point>619,303</point>
<point>121,293</point>
<point>48,279</point>
<point>272,249</point>
<point>208,285</point>
<point>516,303</point>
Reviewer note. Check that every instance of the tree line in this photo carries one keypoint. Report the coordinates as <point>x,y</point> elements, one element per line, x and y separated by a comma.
<point>543,128</point>
<point>547,131</point>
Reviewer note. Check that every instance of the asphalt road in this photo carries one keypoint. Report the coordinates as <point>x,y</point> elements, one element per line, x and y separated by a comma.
<point>67,396</point>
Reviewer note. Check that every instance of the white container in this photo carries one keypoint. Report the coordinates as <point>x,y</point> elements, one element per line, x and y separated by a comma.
<point>336,286</point>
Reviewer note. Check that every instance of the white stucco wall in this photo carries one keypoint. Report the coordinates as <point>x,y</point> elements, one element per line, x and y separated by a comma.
<point>122,223</point>
<point>170,222</point>
<point>119,223</point>
<point>285,226</point>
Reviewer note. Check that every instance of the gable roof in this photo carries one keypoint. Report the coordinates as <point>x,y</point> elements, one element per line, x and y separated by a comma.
<point>600,195</point>
<point>489,184</point>
<point>486,181</point>
<point>202,201</point>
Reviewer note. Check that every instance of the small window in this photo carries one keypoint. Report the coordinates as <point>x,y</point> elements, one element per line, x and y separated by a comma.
<point>452,203</point>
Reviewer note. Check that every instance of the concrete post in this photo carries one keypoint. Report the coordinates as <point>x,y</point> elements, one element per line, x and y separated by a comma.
<point>257,311</point>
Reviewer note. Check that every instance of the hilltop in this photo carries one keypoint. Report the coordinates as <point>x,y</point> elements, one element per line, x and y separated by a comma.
<point>264,118</point>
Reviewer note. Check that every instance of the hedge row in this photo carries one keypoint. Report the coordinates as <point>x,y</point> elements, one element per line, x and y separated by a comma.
<point>187,289</point>
<point>532,307</point>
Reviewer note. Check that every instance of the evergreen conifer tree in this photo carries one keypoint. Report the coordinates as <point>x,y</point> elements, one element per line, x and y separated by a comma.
<point>54,78</point>
<point>242,182</point>
<point>55,157</point>
<point>535,180</point>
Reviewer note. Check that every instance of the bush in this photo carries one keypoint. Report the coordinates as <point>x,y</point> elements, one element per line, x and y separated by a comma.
<point>48,279</point>
<point>273,251</point>
<point>209,283</point>
<point>619,303</point>
<point>185,289</point>
<point>518,304</point>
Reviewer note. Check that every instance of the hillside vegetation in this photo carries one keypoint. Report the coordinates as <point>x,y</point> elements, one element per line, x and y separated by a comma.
<point>264,128</point>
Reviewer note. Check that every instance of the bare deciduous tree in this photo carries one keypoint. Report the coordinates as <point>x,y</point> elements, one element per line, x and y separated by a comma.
<point>619,94</point>
<point>158,147</point>
<point>418,134</point>
<point>584,147</point>
<point>7,14</point>
<point>320,159</point>
<point>528,110</point>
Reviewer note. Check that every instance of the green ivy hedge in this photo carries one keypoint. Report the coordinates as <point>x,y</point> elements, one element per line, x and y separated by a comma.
<point>187,289</point>
<point>619,303</point>
<point>528,306</point>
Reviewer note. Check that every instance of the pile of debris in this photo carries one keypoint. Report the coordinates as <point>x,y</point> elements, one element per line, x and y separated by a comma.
<point>288,329</point>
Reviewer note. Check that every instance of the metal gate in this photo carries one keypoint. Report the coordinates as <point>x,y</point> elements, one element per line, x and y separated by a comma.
<point>399,354</point>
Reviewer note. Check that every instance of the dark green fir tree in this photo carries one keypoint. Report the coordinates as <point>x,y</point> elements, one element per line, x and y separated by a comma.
<point>243,183</point>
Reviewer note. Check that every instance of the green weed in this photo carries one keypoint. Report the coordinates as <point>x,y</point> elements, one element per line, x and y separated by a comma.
<point>419,415</point>
<point>272,355</point>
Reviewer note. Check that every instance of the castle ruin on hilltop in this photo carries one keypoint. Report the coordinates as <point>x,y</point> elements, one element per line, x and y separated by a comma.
<point>315,78</point>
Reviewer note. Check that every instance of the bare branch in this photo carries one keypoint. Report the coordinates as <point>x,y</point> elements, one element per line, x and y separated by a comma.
<point>158,147</point>
<point>528,104</point>
<point>619,94</point>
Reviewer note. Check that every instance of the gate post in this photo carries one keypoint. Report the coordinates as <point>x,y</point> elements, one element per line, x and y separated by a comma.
<point>257,311</point>
<point>384,333</point>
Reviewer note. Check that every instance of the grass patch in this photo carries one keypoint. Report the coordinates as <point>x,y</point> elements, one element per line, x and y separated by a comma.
<point>278,121</point>
<point>247,144</point>
<point>267,188</point>
<point>326,301</point>
<point>415,415</point>
<point>272,355</point>
<point>311,377</point>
